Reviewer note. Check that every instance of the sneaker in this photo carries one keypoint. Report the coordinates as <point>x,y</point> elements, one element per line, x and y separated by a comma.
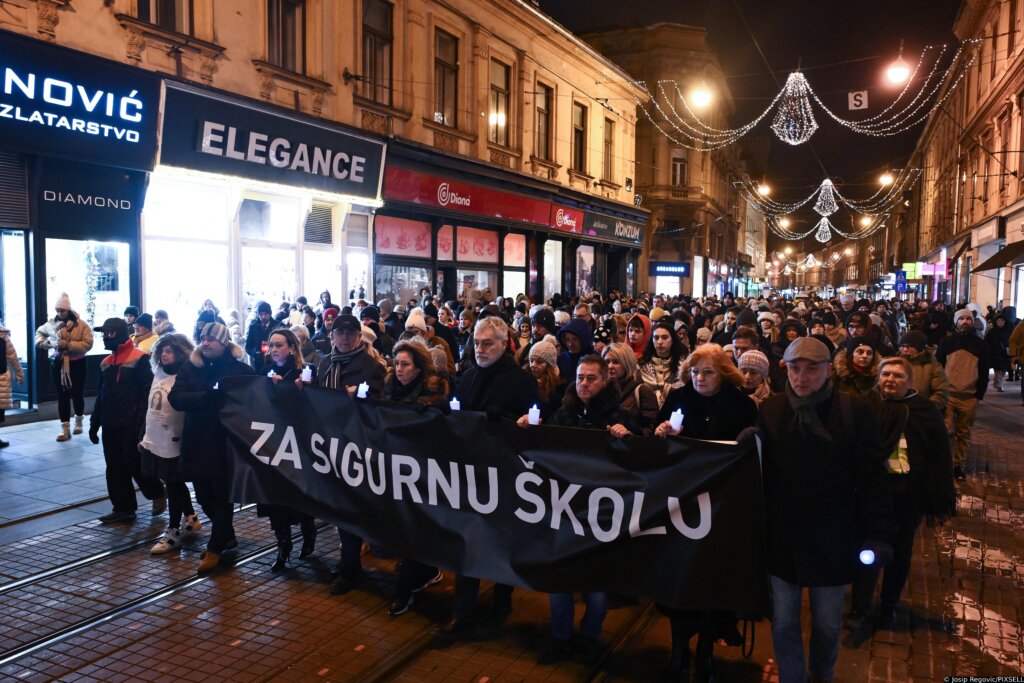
<point>190,525</point>
<point>959,474</point>
<point>159,505</point>
<point>171,540</point>
<point>115,517</point>
<point>430,582</point>
<point>399,606</point>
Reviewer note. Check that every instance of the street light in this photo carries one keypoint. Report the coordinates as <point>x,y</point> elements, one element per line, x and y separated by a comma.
<point>865,221</point>
<point>784,222</point>
<point>847,251</point>
<point>700,97</point>
<point>764,190</point>
<point>788,250</point>
<point>886,179</point>
<point>899,71</point>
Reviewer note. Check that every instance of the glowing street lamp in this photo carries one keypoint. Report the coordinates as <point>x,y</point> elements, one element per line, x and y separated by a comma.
<point>788,250</point>
<point>886,179</point>
<point>784,222</point>
<point>700,97</point>
<point>764,190</point>
<point>847,251</point>
<point>899,71</point>
<point>865,221</point>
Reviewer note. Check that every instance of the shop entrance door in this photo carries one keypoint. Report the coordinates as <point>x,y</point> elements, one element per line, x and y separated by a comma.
<point>14,311</point>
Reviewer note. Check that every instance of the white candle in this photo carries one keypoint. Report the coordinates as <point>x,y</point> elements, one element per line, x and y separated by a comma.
<point>307,374</point>
<point>534,415</point>
<point>270,374</point>
<point>454,403</point>
<point>676,419</point>
<point>363,388</point>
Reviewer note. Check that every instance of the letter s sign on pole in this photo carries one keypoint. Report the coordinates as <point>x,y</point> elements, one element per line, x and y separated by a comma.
<point>858,100</point>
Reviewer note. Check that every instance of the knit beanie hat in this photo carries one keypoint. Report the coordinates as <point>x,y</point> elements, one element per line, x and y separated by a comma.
<point>754,360</point>
<point>545,318</point>
<point>263,307</point>
<point>656,313</point>
<point>746,317</point>
<point>704,334</point>
<point>64,301</point>
<point>852,343</point>
<point>206,317</point>
<point>961,313</point>
<point>371,312</point>
<point>765,315</point>
<point>546,351</point>
<point>131,310</point>
<point>916,339</point>
<point>145,320</point>
<point>829,319</point>
<point>416,319</point>
<point>216,332</point>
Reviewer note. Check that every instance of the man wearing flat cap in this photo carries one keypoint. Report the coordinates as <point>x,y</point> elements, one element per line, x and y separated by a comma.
<point>825,500</point>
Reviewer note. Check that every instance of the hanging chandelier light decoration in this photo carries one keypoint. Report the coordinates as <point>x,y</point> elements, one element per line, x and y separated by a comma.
<point>794,122</point>
<point>824,230</point>
<point>826,204</point>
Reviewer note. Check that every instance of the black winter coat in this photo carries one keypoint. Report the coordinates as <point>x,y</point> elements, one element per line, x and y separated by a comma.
<point>254,338</point>
<point>203,440</point>
<point>502,390</point>
<point>603,411</point>
<point>998,341</point>
<point>717,418</point>
<point>362,368</point>
<point>822,499</point>
<point>122,392</point>
<point>928,452</point>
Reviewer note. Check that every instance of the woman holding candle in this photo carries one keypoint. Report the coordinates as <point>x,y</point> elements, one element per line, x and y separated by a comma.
<point>414,380</point>
<point>286,365</point>
<point>714,408</point>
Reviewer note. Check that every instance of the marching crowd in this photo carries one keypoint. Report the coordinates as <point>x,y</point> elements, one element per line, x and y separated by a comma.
<point>865,410</point>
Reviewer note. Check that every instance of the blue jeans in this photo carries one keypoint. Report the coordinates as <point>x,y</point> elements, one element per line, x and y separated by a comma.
<point>826,622</point>
<point>563,614</point>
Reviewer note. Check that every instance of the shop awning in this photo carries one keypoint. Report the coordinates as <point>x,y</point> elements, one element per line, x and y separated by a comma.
<point>1008,254</point>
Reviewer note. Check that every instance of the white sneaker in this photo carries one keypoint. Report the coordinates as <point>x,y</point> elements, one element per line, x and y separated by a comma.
<point>190,525</point>
<point>171,540</point>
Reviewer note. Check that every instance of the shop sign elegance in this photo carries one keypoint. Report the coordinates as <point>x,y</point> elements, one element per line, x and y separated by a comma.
<point>236,138</point>
<point>61,102</point>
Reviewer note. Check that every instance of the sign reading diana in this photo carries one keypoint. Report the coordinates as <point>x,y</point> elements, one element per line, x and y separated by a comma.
<point>551,508</point>
<point>56,101</point>
<point>213,134</point>
<point>618,229</point>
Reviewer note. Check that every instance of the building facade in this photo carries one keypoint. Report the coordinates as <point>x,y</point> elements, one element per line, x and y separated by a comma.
<point>698,216</point>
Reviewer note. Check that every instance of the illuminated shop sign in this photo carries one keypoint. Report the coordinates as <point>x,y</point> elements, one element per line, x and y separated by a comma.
<point>238,138</point>
<point>668,269</point>
<point>618,229</point>
<point>57,101</point>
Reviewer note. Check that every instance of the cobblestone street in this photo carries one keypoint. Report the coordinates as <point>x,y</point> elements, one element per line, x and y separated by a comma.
<point>83,601</point>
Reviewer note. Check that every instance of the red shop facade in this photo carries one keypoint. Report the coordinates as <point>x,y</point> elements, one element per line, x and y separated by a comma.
<point>467,231</point>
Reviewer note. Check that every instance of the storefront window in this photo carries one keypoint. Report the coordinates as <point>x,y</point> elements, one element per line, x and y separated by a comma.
<point>182,296</point>
<point>358,266</point>
<point>186,210</point>
<point>630,272</point>
<point>552,268</point>
<point>95,276</point>
<point>584,270</point>
<point>15,303</point>
<point>400,283</point>
<point>513,283</point>
<point>319,273</point>
<point>480,280</point>
<point>268,274</point>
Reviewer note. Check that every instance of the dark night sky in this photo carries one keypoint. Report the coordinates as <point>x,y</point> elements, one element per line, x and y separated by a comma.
<point>816,33</point>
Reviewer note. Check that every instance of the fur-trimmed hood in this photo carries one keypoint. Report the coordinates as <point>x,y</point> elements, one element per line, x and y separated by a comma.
<point>178,342</point>
<point>199,361</point>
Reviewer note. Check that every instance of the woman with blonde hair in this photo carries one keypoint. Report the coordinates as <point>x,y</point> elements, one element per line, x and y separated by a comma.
<point>636,398</point>
<point>714,408</point>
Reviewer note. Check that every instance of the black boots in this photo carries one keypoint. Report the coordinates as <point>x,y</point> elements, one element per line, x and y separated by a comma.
<point>679,662</point>
<point>705,658</point>
<point>284,548</point>
<point>308,539</point>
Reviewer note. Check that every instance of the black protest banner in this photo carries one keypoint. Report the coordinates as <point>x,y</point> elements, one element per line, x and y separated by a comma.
<point>550,508</point>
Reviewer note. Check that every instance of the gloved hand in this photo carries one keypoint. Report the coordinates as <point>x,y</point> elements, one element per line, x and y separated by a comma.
<point>879,552</point>
<point>94,435</point>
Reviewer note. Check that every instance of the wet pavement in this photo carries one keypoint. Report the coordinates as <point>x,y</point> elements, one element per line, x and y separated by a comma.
<point>83,601</point>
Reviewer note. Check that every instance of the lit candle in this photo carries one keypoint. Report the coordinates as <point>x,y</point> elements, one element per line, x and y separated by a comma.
<point>676,420</point>
<point>270,374</point>
<point>363,388</point>
<point>867,557</point>
<point>307,374</point>
<point>454,403</point>
<point>534,415</point>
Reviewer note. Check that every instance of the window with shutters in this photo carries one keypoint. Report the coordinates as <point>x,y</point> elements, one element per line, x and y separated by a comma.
<point>317,228</point>
<point>286,34</point>
<point>377,42</point>
<point>13,191</point>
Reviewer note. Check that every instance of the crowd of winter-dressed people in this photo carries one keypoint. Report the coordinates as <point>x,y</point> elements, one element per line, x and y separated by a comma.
<point>865,410</point>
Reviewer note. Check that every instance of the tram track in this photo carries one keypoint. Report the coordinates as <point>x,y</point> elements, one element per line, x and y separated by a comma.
<point>102,617</point>
<point>54,511</point>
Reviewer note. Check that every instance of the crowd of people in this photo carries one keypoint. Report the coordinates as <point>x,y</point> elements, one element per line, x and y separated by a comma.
<point>865,410</point>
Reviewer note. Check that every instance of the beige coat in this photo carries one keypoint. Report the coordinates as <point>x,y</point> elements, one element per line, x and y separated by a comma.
<point>74,337</point>
<point>14,370</point>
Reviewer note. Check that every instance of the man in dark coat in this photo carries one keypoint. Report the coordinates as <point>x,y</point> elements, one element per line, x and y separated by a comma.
<point>966,359</point>
<point>825,499</point>
<point>204,454</point>
<point>497,386</point>
<point>347,366</point>
<point>120,410</point>
<point>920,475</point>
<point>258,333</point>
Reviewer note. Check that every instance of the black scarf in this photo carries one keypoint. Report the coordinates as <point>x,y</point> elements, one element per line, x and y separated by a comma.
<point>806,421</point>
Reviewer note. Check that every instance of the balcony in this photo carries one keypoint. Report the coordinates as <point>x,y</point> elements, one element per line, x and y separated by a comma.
<point>667,192</point>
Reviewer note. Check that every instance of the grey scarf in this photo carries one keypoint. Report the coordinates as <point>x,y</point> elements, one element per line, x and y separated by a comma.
<point>806,421</point>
